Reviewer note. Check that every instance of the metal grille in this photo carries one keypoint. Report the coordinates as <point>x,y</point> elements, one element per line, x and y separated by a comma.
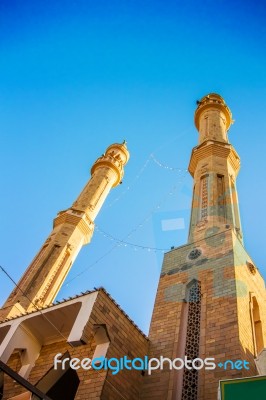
<point>190,378</point>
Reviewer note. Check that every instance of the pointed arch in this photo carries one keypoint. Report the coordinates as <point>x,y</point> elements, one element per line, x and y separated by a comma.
<point>256,325</point>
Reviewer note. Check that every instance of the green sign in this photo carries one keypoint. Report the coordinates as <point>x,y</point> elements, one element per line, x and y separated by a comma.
<point>244,389</point>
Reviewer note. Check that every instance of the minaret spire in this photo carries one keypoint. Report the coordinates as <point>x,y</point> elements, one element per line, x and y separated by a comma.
<point>213,118</point>
<point>214,165</point>
<point>72,229</point>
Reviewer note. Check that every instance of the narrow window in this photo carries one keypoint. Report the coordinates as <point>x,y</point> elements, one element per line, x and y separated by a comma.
<point>257,326</point>
<point>235,207</point>
<point>206,125</point>
<point>204,198</point>
<point>221,196</point>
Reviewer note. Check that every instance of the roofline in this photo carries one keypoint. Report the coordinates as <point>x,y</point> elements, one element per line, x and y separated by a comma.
<point>100,289</point>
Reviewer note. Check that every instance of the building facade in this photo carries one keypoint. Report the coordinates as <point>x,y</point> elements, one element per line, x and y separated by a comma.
<point>210,303</point>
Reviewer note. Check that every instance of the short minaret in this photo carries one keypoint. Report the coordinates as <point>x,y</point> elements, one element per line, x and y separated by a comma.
<point>72,229</point>
<point>214,165</point>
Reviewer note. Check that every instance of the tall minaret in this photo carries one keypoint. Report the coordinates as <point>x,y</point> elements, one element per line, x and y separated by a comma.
<point>214,165</point>
<point>72,229</point>
<point>211,298</point>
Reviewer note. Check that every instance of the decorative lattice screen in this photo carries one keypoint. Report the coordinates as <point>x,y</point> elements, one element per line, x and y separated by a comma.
<point>190,378</point>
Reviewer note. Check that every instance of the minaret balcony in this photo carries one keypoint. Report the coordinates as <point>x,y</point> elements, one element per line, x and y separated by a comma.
<point>213,149</point>
<point>77,218</point>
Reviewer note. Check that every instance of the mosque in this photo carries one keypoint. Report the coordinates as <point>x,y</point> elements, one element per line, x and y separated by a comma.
<point>209,312</point>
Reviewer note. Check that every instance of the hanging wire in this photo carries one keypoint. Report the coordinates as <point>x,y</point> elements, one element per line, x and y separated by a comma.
<point>125,243</point>
<point>118,242</point>
<point>34,305</point>
<point>157,162</point>
<point>142,169</point>
<point>50,322</point>
<point>136,178</point>
<point>124,239</point>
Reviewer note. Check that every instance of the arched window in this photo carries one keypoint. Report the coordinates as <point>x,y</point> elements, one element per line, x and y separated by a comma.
<point>256,325</point>
<point>204,194</point>
<point>221,196</point>
<point>236,215</point>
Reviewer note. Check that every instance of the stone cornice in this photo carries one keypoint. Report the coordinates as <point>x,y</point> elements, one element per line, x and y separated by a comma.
<point>76,218</point>
<point>213,148</point>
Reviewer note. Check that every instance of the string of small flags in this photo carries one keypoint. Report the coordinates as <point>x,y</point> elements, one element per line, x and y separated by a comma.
<point>157,162</point>
<point>128,244</point>
<point>124,239</point>
<point>145,219</point>
<point>136,178</point>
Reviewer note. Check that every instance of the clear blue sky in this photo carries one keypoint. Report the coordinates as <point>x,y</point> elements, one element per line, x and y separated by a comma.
<point>79,75</point>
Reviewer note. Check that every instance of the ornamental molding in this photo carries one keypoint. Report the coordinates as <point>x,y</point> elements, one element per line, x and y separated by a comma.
<point>216,149</point>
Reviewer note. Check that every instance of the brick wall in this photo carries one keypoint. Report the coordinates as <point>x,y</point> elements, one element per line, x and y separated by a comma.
<point>126,339</point>
<point>225,328</point>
